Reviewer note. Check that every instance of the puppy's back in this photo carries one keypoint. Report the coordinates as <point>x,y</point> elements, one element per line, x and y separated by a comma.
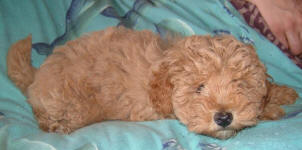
<point>100,74</point>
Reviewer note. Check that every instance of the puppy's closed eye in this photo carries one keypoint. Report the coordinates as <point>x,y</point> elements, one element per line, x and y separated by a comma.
<point>199,89</point>
<point>241,83</point>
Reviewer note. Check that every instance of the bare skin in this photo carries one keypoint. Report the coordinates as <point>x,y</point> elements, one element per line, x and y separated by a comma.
<point>284,18</point>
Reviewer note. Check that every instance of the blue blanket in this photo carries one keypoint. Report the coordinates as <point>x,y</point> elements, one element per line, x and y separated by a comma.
<point>53,22</point>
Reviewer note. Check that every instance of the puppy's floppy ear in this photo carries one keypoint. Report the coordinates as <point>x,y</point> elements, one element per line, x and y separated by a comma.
<point>161,90</point>
<point>277,95</point>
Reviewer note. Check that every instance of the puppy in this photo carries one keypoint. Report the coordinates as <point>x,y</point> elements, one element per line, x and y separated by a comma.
<point>215,86</point>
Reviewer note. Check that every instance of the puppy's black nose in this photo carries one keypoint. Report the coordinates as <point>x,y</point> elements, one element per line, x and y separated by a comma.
<point>223,118</point>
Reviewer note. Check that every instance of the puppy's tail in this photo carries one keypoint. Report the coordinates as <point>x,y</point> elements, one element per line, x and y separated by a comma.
<point>19,67</point>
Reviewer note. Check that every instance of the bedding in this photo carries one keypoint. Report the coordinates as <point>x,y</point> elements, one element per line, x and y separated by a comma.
<point>53,22</point>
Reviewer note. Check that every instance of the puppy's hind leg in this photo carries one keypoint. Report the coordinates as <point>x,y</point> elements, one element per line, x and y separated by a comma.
<point>65,104</point>
<point>55,115</point>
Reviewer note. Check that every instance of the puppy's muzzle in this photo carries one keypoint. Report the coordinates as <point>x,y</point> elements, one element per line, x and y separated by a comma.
<point>223,119</point>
